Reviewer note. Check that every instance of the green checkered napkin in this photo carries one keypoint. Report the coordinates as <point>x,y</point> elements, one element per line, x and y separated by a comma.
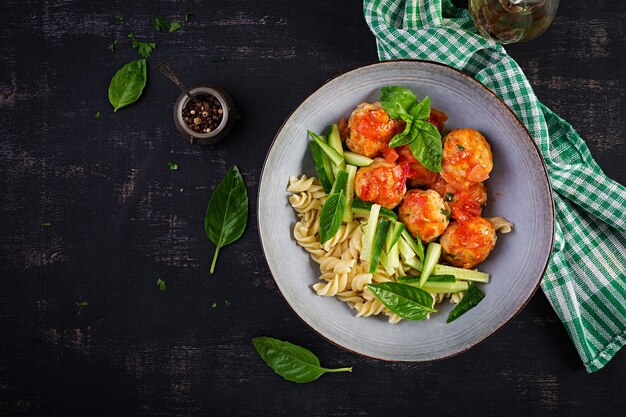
<point>586,279</point>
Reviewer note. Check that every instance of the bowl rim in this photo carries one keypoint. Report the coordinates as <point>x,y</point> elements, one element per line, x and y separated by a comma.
<point>528,137</point>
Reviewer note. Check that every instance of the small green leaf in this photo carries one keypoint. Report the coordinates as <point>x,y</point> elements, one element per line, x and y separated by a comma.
<point>81,303</point>
<point>332,215</point>
<point>160,23</point>
<point>292,362</point>
<point>46,224</point>
<point>128,84</point>
<point>145,49</point>
<point>117,20</point>
<point>112,46</point>
<point>173,166</point>
<point>403,137</point>
<point>227,303</point>
<point>187,17</point>
<point>421,111</point>
<point>97,115</point>
<point>397,100</point>
<point>174,27</point>
<point>161,284</point>
<point>227,212</point>
<point>181,189</point>
<point>406,301</point>
<point>461,148</point>
<point>426,146</point>
<point>213,305</point>
<point>470,299</point>
<point>449,197</point>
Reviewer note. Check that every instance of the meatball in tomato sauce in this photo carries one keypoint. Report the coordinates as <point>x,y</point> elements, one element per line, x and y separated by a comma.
<point>381,183</point>
<point>370,129</point>
<point>468,202</point>
<point>467,158</point>
<point>424,213</point>
<point>466,244</point>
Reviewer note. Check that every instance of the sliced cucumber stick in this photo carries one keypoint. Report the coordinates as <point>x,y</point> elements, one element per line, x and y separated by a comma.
<point>320,168</point>
<point>356,159</point>
<point>369,233</point>
<point>334,156</point>
<point>351,170</point>
<point>433,252</point>
<point>379,244</point>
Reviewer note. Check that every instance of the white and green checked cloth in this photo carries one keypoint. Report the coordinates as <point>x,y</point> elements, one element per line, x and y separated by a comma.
<point>586,279</point>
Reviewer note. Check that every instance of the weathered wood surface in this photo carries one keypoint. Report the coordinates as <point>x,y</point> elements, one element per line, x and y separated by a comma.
<point>120,220</point>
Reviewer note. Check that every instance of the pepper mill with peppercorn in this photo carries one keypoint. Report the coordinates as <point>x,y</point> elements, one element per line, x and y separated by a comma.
<point>203,113</point>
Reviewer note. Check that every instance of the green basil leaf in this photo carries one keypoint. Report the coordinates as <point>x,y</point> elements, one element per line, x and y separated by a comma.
<point>332,215</point>
<point>174,27</point>
<point>161,284</point>
<point>426,145</point>
<point>404,137</point>
<point>397,100</point>
<point>292,362</point>
<point>470,299</point>
<point>227,213</point>
<point>127,84</point>
<point>421,111</point>
<point>406,301</point>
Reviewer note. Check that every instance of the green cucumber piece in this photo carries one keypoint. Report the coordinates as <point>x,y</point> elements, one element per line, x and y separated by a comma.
<point>365,206</point>
<point>463,274</point>
<point>433,252</point>
<point>351,170</point>
<point>340,182</point>
<point>334,156</point>
<point>445,287</point>
<point>406,251</point>
<point>414,263</point>
<point>415,245</point>
<point>386,263</point>
<point>318,159</point>
<point>436,283</point>
<point>379,243</point>
<point>391,247</point>
<point>356,159</point>
<point>369,233</point>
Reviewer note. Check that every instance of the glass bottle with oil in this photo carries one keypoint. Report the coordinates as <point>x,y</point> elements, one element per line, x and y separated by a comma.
<point>509,21</point>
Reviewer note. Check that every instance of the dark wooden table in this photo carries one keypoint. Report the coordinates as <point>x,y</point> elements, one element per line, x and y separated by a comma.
<point>120,220</point>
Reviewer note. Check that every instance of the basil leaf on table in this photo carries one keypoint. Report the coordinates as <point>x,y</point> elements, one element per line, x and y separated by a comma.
<point>406,301</point>
<point>227,213</point>
<point>332,215</point>
<point>292,362</point>
<point>127,84</point>
<point>470,299</point>
<point>397,100</point>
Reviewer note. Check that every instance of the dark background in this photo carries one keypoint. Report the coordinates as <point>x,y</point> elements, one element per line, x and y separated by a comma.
<point>119,220</point>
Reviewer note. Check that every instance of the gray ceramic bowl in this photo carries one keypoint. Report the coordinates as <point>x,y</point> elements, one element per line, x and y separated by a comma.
<point>519,190</point>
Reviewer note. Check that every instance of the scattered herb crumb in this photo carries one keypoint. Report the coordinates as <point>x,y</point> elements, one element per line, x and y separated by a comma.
<point>145,49</point>
<point>118,20</point>
<point>445,213</point>
<point>187,17</point>
<point>161,284</point>
<point>213,305</point>
<point>97,115</point>
<point>174,27</point>
<point>449,197</point>
<point>46,224</point>
<point>181,189</point>
<point>227,303</point>
<point>461,148</point>
<point>81,303</point>
<point>112,46</point>
<point>160,23</point>
<point>173,166</point>
<point>219,59</point>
